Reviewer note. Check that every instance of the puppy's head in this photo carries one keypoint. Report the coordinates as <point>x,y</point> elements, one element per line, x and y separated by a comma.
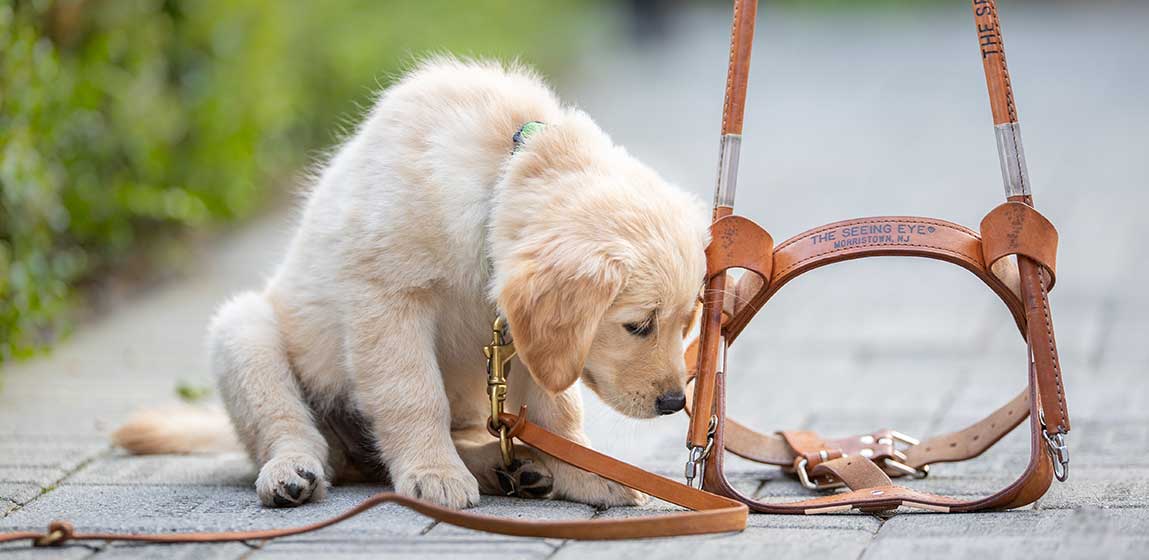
<point>598,266</point>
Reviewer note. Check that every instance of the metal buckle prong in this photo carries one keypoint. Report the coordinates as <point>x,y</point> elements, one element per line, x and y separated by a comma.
<point>903,438</point>
<point>903,468</point>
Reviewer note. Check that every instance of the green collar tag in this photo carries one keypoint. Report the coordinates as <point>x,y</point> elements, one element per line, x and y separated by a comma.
<point>525,132</point>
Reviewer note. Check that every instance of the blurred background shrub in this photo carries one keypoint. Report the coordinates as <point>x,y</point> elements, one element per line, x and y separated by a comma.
<point>127,122</point>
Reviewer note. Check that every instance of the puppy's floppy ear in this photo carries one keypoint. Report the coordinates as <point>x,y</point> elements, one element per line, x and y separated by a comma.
<point>554,311</point>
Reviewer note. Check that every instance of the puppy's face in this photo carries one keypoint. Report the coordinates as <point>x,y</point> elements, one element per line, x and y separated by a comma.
<point>635,362</point>
<point>619,325</point>
<point>598,271</point>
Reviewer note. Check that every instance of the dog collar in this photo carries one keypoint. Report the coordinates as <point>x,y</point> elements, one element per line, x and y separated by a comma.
<point>525,132</point>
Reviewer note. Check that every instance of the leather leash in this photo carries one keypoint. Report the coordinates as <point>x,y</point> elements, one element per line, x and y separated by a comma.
<point>710,513</point>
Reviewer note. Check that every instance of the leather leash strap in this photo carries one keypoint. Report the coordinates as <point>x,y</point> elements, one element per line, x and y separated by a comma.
<point>710,513</point>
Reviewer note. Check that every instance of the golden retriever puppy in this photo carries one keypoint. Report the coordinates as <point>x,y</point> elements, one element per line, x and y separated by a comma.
<point>361,358</point>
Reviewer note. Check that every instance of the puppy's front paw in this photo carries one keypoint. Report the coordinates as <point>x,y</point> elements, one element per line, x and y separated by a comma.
<point>290,480</point>
<point>446,485</point>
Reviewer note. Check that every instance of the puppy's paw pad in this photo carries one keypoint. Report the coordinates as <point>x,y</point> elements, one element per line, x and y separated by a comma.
<point>448,486</point>
<point>525,479</point>
<point>290,480</point>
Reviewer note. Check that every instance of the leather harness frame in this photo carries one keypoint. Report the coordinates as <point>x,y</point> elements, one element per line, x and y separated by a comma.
<point>865,464</point>
<point>1014,254</point>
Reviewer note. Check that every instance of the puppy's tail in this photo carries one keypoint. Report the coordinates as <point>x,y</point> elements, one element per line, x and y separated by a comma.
<point>177,429</point>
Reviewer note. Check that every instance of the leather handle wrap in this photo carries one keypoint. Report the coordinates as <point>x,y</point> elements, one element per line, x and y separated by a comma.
<point>738,73</point>
<point>993,61</point>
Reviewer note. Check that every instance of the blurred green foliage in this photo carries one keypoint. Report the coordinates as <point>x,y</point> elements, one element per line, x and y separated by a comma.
<point>124,121</point>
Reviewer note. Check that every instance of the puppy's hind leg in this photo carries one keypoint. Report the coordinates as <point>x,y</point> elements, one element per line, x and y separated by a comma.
<point>266,404</point>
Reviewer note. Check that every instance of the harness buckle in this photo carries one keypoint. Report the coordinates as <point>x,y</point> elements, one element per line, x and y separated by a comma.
<point>810,483</point>
<point>898,462</point>
<point>886,448</point>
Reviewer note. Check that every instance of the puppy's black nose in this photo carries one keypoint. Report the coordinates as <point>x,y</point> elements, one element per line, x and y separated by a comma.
<point>670,402</point>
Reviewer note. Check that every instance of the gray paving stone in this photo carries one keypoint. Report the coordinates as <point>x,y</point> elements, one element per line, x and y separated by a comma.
<point>1112,394</point>
<point>130,551</point>
<point>34,475</point>
<point>1115,487</point>
<point>24,551</point>
<point>849,522</point>
<point>514,508</point>
<point>17,493</point>
<point>1082,533</point>
<point>215,551</point>
<point>232,469</point>
<point>422,547</point>
<point>1108,443</point>
<point>23,484</point>
<point>41,452</point>
<point>754,542</point>
<point>34,421</point>
<point>204,508</point>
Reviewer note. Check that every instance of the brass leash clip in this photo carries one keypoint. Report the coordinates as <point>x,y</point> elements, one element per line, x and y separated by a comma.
<point>499,352</point>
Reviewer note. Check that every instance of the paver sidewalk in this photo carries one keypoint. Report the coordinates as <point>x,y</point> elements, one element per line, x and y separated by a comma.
<point>849,115</point>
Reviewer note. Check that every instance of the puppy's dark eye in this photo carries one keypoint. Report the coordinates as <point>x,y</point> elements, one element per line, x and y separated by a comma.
<point>639,329</point>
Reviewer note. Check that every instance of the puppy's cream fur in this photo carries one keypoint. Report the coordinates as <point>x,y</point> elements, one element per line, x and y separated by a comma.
<point>421,228</point>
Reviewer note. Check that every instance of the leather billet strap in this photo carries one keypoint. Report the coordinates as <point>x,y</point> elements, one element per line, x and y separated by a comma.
<point>709,513</point>
<point>780,448</point>
<point>869,492</point>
